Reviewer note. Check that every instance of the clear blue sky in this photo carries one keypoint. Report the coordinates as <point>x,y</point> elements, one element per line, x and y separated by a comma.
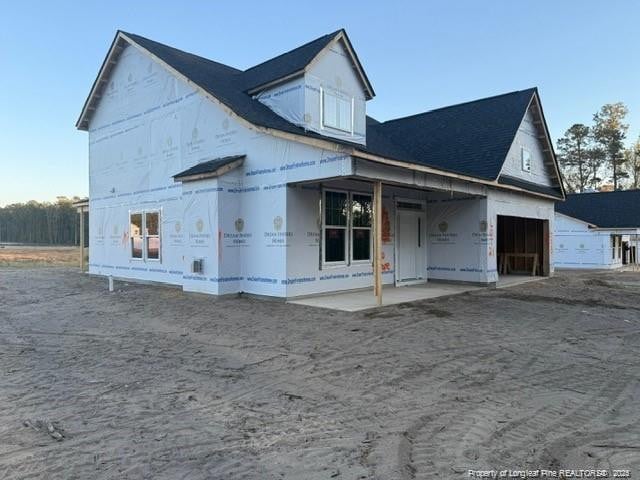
<point>419,55</point>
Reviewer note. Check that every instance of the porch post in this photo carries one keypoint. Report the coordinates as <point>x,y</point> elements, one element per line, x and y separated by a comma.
<point>377,241</point>
<point>81,210</point>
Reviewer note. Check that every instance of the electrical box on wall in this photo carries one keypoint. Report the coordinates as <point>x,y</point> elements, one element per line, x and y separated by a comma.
<point>197,266</point>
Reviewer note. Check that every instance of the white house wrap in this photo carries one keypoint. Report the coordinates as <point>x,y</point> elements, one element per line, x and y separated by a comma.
<point>261,181</point>
<point>598,230</point>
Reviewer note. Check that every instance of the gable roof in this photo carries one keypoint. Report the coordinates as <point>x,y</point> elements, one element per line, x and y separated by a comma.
<point>294,63</point>
<point>285,64</point>
<point>469,139</point>
<point>226,84</point>
<point>618,209</point>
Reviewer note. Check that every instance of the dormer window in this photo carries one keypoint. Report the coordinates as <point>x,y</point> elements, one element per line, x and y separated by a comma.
<point>337,111</point>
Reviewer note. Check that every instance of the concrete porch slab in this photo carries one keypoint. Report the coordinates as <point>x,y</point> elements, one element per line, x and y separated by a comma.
<point>364,299</point>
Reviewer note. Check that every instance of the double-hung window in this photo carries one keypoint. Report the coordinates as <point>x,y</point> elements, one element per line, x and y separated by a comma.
<point>144,231</point>
<point>337,111</point>
<point>335,227</point>
<point>135,231</point>
<point>361,214</point>
<point>152,234</point>
<point>346,229</point>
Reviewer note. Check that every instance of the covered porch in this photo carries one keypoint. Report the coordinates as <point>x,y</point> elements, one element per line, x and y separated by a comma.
<point>378,237</point>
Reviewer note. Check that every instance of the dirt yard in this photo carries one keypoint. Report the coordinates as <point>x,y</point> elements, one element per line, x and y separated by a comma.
<point>27,256</point>
<point>150,382</point>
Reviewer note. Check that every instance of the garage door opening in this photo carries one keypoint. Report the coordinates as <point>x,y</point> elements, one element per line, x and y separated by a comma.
<point>523,246</point>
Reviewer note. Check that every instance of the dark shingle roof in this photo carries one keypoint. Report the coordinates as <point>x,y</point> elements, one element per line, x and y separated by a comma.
<point>619,209</point>
<point>285,64</point>
<point>530,186</point>
<point>218,80</point>
<point>210,166</point>
<point>471,139</point>
<point>224,83</point>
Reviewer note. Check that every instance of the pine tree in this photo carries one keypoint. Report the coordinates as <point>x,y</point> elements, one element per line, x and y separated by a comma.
<point>609,132</point>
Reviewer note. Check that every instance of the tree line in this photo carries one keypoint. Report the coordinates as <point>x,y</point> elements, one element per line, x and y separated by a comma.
<point>592,156</point>
<point>52,223</point>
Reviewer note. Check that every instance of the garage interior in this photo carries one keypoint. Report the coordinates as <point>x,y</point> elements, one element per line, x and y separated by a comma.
<point>523,246</point>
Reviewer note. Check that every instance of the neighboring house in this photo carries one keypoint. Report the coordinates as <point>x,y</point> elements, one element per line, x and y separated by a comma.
<point>260,181</point>
<point>598,229</point>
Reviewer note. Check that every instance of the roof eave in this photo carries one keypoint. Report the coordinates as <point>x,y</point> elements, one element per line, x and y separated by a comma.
<point>370,93</point>
<point>340,35</point>
<point>277,81</point>
<point>217,172</point>
<point>108,63</point>
<point>436,171</point>
<point>550,144</point>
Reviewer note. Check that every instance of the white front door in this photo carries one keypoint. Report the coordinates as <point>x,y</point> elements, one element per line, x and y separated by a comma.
<point>411,248</point>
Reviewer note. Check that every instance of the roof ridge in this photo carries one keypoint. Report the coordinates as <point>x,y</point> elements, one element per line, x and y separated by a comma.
<point>133,35</point>
<point>478,100</point>
<point>333,34</point>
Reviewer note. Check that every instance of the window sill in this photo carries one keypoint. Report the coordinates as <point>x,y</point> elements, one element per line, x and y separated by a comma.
<point>358,263</point>
<point>333,265</point>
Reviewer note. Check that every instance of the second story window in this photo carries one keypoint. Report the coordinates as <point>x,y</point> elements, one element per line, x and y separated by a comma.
<point>337,112</point>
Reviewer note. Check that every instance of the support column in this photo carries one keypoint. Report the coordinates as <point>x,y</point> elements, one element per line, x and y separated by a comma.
<point>81,209</point>
<point>377,241</point>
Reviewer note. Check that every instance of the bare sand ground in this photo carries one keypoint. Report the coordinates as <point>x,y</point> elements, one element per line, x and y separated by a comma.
<point>32,256</point>
<point>150,382</point>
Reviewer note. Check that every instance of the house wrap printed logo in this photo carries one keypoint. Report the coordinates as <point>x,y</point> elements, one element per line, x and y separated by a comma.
<point>482,236</point>
<point>238,239</point>
<point>176,237</point>
<point>114,238</point>
<point>170,150</point>
<point>227,135</point>
<point>277,237</point>
<point>200,238</point>
<point>195,144</point>
<point>443,235</point>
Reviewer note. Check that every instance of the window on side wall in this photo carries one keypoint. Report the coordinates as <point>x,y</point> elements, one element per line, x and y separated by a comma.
<point>337,112</point>
<point>525,158</point>
<point>144,231</point>
<point>334,235</point>
<point>135,231</point>
<point>152,233</point>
